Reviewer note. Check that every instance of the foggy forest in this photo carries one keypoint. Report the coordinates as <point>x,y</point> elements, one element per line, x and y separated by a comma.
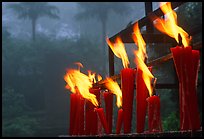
<point>40,44</point>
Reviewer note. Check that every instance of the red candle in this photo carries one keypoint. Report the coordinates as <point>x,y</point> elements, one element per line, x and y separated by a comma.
<point>127,86</point>
<point>103,119</point>
<point>79,118</point>
<point>73,105</point>
<point>186,63</point>
<point>154,119</point>
<point>108,98</point>
<point>141,103</point>
<point>91,115</point>
<point>119,121</point>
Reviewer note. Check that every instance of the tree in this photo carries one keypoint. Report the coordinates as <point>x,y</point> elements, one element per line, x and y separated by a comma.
<point>100,11</point>
<point>33,11</point>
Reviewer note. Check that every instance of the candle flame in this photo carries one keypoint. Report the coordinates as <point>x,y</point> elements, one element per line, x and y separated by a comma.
<point>76,79</point>
<point>140,55</point>
<point>115,89</point>
<point>118,49</point>
<point>169,25</point>
<point>92,76</point>
<point>99,77</point>
<point>139,41</point>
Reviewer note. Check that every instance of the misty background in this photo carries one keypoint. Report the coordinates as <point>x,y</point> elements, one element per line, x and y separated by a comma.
<point>35,101</point>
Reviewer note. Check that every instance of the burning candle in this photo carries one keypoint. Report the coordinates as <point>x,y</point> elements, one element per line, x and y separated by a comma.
<point>73,105</point>
<point>154,120</point>
<point>127,86</point>
<point>127,82</point>
<point>79,118</point>
<point>144,77</point>
<point>115,89</point>
<point>141,79</point>
<point>141,103</point>
<point>108,98</point>
<point>103,119</point>
<point>186,62</point>
<point>79,84</point>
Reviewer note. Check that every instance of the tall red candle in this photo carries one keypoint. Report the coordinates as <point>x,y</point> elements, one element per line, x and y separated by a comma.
<point>127,86</point>
<point>119,121</point>
<point>141,103</point>
<point>108,98</point>
<point>73,105</point>
<point>79,117</point>
<point>103,119</point>
<point>154,119</point>
<point>186,63</point>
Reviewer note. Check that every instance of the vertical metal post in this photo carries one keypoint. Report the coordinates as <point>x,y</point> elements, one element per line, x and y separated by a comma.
<point>111,62</point>
<point>148,9</point>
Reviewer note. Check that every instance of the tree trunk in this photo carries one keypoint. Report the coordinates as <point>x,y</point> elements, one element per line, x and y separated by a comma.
<point>33,29</point>
<point>104,45</point>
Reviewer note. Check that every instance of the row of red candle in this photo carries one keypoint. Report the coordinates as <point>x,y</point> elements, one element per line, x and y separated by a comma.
<point>124,115</point>
<point>77,120</point>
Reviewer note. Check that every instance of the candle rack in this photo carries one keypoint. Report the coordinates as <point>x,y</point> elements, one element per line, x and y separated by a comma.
<point>150,36</point>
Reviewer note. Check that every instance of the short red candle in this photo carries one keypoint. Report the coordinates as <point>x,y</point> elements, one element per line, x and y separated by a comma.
<point>154,119</point>
<point>186,63</point>
<point>141,103</point>
<point>119,121</point>
<point>108,98</point>
<point>127,86</point>
<point>103,119</point>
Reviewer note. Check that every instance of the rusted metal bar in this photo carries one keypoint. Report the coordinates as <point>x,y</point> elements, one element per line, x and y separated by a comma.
<point>148,9</point>
<point>127,32</point>
<point>111,62</point>
<point>167,57</point>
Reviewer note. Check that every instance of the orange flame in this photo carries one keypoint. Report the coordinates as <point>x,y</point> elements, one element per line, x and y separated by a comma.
<point>146,74</point>
<point>118,49</point>
<point>99,77</point>
<point>169,26</point>
<point>76,79</point>
<point>139,41</point>
<point>92,76</point>
<point>115,89</point>
<point>140,55</point>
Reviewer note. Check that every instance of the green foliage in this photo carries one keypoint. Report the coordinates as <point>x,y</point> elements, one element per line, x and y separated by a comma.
<point>21,126</point>
<point>15,119</point>
<point>171,123</point>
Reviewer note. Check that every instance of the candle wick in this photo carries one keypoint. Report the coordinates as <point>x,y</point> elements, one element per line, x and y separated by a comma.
<point>154,86</point>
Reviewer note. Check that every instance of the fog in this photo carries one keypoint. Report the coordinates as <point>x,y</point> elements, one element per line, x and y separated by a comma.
<point>37,51</point>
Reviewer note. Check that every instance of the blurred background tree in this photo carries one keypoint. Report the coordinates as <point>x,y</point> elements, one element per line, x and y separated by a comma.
<point>33,11</point>
<point>101,11</point>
